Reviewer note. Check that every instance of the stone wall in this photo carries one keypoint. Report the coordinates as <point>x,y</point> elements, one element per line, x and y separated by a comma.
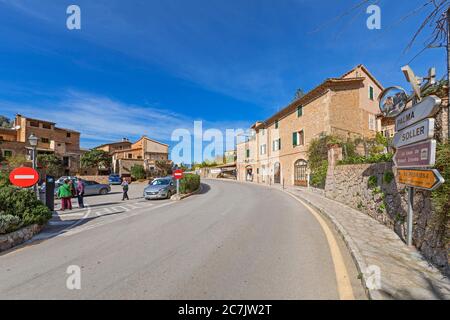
<point>386,201</point>
<point>18,237</point>
<point>99,179</point>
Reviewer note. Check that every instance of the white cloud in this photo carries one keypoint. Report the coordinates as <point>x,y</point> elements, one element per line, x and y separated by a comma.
<point>102,119</point>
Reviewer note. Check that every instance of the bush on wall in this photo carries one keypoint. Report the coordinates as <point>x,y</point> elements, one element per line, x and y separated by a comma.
<point>19,207</point>
<point>189,183</point>
<point>441,196</point>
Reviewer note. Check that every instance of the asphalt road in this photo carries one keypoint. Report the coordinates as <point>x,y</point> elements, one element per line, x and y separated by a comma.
<point>231,241</point>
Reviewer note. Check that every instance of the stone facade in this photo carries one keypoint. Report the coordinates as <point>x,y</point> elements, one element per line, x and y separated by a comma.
<point>387,203</point>
<point>64,143</point>
<point>144,152</point>
<point>345,106</point>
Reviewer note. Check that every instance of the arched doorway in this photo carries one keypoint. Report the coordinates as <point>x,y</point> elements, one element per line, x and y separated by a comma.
<point>301,173</point>
<point>249,173</point>
<point>277,173</point>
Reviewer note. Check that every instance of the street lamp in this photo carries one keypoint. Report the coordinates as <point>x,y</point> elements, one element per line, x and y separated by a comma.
<point>33,141</point>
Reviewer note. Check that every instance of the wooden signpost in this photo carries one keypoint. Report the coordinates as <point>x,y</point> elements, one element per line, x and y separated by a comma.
<point>414,143</point>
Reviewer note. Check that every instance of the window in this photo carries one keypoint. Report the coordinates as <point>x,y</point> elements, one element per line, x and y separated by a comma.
<point>1,138</point>
<point>66,161</point>
<point>372,122</point>
<point>46,126</point>
<point>299,111</point>
<point>276,145</point>
<point>298,138</point>
<point>247,153</point>
<point>68,135</point>
<point>7,153</point>
<point>130,156</point>
<point>45,140</point>
<point>276,124</point>
<point>371,93</point>
<point>34,124</point>
<point>263,149</point>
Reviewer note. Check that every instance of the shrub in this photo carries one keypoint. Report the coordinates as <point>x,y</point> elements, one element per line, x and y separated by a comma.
<point>9,223</point>
<point>189,183</point>
<point>441,196</point>
<point>22,204</point>
<point>388,177</point>
<point>319,175</point>
<point>373,182</point>
<point>138,172</point>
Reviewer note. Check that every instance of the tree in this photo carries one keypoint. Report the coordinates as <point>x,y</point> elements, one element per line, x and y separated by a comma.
<point>164,167</point>
<point>16,161</point>
<point>5,122</point>
<point>96,159</point>
<point>138,172</point>
<point>51,164</point>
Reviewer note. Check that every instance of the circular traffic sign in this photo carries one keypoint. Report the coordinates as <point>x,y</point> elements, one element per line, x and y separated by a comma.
<point>178,174</point>
<point>24,177</point>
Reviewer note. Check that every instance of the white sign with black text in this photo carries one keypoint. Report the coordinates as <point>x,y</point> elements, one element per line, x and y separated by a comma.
<point>428,107</point>
<point>421,131</point>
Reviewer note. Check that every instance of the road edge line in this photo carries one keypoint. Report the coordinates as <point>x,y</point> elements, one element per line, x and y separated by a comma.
<point>345,288</point>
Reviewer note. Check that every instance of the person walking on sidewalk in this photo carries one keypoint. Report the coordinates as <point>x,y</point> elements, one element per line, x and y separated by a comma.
<point>80,193</point>
<point>65,194</point>
<point>125,187</point>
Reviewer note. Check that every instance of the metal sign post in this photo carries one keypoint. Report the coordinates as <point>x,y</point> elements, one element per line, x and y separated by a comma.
<point>178,187</point>
<point>413,141</point>
<point>410,215</point>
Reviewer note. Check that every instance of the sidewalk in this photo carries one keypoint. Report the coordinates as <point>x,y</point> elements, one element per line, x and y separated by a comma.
<point>405,274</point>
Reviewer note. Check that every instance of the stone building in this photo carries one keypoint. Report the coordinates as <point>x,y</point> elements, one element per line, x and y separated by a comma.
<point>277,151</point>
<point>64,143</point>
<point>145,152</point>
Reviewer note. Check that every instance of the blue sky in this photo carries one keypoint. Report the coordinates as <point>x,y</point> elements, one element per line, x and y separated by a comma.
<point>148,67</point>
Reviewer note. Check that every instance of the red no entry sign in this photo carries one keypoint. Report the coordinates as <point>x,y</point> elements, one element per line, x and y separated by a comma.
<point>24,177</point>
<point>178,174</point>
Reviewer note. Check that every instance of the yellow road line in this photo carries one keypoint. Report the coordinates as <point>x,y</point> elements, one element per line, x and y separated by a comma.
<point>342,278</point>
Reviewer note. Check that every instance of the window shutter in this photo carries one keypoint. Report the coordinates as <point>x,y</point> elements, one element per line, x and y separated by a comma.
<point>279,144</point>
<point>299,111</point>
<point>294,139</point>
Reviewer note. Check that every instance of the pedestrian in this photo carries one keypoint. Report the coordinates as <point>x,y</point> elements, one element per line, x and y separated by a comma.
<point>125,187</point>
<point>73,189</point>
<point>65,194</point>
<point>80,193</point>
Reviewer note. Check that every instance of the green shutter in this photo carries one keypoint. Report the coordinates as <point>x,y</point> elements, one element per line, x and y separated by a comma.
<point>276,124</point>
<point>248,153</point>
<point>279,144</point>
<point>294,139</point>
<point>299,111</point>
<point>371,93</point>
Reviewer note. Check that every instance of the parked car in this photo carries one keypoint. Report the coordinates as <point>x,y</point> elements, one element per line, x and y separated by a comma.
<point>114,179</point>
<point>160,188</point>
<point>91,188</point>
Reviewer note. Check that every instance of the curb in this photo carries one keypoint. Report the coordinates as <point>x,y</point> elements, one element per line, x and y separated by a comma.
<point>359,261</point>
<point>184,196</point>
<point>16,238</point>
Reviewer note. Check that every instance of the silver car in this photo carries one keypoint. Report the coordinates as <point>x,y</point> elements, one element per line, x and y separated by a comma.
<point>91,188</point>
<point>161,188</point>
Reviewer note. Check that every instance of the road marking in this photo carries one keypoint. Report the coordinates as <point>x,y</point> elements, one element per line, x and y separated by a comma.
<point>120,218</point>
<point>342,278</point>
